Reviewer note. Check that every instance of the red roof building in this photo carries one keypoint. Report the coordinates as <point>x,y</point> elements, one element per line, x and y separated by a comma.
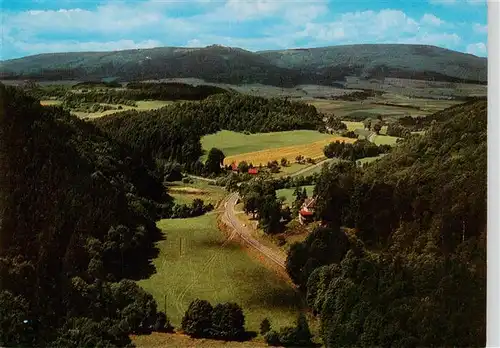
<point>253,171</point>
<point>306,212</point>
<point>234,167</point>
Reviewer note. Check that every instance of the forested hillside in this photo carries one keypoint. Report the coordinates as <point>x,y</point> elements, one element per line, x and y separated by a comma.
<point>78,215</point>
<point>286,68</point>
<point>411,270</point>
<point>173,133</point>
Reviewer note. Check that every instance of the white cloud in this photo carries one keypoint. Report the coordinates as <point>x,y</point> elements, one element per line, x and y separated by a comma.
<point>364,25</point>
<point>247,10</point>
<point>436,39</point>
<point>478,49</point>
<point>442,2</point>
<point>430,19</point>
<point>476,2</point>
<point>457,2</point>
<point>195,43</point>
<point>117,25</point>
<point>478,28</point>
<point>112,18</point>
<point>77,46</point>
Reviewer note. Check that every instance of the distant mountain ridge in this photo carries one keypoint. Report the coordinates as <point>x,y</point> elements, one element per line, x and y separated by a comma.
<point>286,68</point>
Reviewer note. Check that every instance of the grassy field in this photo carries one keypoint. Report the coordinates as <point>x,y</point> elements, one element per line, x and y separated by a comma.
<point>384,140</point>
<point>288,193</point>
<point>234,143</point>
<point>313,150</point>
<point>194,263</point>
<point>186,193</point>
<point>142,105</point>
<point>402,105</point>
<point>370,159</point>
<point>50,102</point>
<point>162,340</point>
<point>291,168</point>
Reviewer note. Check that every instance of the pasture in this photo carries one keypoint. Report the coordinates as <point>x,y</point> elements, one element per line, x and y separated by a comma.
<point>370,159</point>
<point>384,140</point>
<point>50,102</point>
<point>389,105</point>
<point>194,263</point>
<point>234,143</point>
<point>157,340</point>
<point>186,193</point>
<point>142,105</point>
<point>287,193</point>
<point>313,150</point>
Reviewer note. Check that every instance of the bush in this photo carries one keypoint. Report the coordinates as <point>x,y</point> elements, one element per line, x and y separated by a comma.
<point>163,323</point>
<point>281,241</point>
<point>303,333</point>
<point>272,338</point>
<point>265,326</point>
<point>228,322</point>
<point>197,321</point>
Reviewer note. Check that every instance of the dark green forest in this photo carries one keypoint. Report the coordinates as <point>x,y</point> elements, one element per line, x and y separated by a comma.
<point>285,68</point>
<point>173,133</point>
<point>401,258</point>
<point>78,221</point>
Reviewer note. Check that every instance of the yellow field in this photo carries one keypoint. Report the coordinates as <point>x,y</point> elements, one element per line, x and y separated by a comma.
<point>313,150</point>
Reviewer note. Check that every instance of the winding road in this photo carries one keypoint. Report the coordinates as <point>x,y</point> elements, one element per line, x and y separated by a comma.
<point>231,220</point>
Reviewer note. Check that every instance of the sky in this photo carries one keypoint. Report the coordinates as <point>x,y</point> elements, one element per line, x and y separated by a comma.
<point>43,26</point>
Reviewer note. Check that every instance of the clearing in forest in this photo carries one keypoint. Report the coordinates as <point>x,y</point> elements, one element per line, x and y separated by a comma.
<point>185,193</point>
<point>313,150</point>
<point>287,193</point>
<point>195,262</point>
<point>234,143</point>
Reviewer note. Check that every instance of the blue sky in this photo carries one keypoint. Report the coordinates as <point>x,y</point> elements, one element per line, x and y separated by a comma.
<point>41,26</point>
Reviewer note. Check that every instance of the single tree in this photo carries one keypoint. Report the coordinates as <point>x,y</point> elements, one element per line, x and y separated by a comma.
<point>228,321</point>
<point>272,338</point>
<point>163,323</point>
<point>215,160</point>
<point>243,167</point>
<point>303,333</point>
<point>197,321</point>
<point>367,123</point>
<point>265,326</point>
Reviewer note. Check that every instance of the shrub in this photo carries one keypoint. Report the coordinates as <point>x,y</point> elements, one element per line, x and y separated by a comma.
<point>272,338</point>
<point>187,180</point>
<point>288,336</point>
<point>228,322</point>
<point>303,333</point>
<point>197,321</point>
<point>163,323</point>
<point>265,326</point>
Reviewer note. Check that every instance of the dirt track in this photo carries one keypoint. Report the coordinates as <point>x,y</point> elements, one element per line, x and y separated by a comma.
<point>230,219</point>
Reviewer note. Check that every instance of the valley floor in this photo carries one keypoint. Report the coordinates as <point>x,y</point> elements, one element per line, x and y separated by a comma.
<point>197,261</point>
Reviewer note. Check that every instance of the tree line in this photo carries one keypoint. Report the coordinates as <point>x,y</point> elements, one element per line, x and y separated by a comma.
<point>359,149</point>
<point>78,221</point>
<point>402,241</point>
<point>173,133</point>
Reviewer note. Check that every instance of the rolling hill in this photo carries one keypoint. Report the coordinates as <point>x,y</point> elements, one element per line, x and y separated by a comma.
<point>287,68</point>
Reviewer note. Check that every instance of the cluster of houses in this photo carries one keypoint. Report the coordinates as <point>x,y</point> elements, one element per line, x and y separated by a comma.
<point>253,171</point>
<point>306,212</point>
